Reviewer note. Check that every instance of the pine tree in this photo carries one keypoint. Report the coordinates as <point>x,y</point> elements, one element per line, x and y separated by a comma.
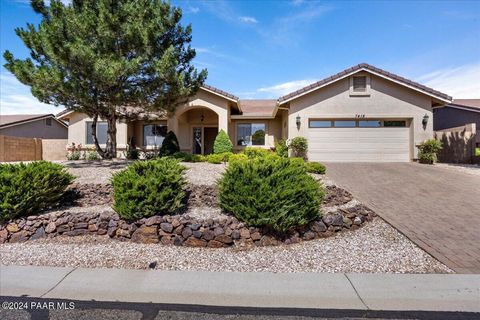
<point>99,56</point>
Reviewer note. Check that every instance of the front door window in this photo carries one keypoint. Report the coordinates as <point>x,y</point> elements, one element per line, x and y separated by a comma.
<point>197,140</point>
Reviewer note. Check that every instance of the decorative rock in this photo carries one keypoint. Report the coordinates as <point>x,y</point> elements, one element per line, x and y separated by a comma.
<point>167,227</point>
<point>195,226</point>
<point>63,228</point>
<point>111,231</point>
<point>309,235</point>
<point>218,231</point>
<point>195,242</point>
<point>123,233</point>
<point>208,234</point>
<point>268,241</point>
<point>228,231</point>
<point>21,236</point>
<point>224,239</point>
<point>215,244</point>
<point>92,227</point>
<point>244,233</point>
<point>347,222</point>
<point>40,233</point>
<point>51,226</point>
<point>333,219</point>
<point>166,240</point>
<point>197,234</point>
<point>112,223</point>
<point>178,241</point>
<point>357,221</point>
<point>318,226</point>
<point>186,232</point>
<point>256,236</point>
<point>3,235</point>
<point>76,232</point>
<point>101,232</point>
<point>153,220</point>
<point>12,227</point>
<point>235,234</point>
<point>175,222</point>
<point>81,225</point>
<point>145,234</point>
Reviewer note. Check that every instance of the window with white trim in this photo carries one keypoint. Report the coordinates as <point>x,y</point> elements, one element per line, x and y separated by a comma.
<point>101,132</point>
<point>154,134</point>
<point>251,134</point>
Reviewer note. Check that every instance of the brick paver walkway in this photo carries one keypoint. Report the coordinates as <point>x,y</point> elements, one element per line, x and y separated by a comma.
<point>437,208</point>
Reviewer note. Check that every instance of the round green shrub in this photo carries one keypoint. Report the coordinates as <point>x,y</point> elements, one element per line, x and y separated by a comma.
<point>253,152</point>
<point>281,148</point>
<point>315,167</point>
<point>271,193</point>
<point>170,144</point>
<point>147,188</point>
<point>222,143</point>
<point>26,189</point>
<point>429,150</point>
<point>237,157</point>
<point>299,146</point>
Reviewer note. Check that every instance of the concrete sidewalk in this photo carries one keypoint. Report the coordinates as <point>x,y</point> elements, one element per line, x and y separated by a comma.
<point>404,292</point>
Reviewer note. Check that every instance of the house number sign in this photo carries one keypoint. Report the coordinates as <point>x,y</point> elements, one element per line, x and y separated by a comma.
<point>359,116</point>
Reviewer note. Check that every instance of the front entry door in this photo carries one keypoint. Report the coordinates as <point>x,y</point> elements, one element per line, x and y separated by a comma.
<point>203,139</point>
<point>209,135</point>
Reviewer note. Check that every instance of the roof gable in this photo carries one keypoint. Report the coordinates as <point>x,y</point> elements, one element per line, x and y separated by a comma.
<point>10,120</point>
<point>372,70</point>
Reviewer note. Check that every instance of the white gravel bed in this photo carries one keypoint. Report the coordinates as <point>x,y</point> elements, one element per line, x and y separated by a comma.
<point>465,168</point>
<point>94,171</point>
<point>203,173</point>
<point>375,248</point>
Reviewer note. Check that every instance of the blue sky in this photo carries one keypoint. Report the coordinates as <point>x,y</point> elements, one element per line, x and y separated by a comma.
<point>264,49</point>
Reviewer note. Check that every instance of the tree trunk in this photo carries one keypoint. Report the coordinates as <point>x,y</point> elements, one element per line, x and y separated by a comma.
<point>95,139</point>
<point>111,148</point>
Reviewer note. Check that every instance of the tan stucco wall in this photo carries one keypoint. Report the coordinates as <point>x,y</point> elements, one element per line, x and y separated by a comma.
<point>77,131</point>
<point>386,100</point>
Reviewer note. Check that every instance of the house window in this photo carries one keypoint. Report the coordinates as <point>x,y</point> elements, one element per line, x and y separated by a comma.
<point>153,134</point>
<point>101,132</point>
<point>369,123</point>
<point>320,124</point>
<point>360,83</point>
<point>48,122</point>
<point>395,123</point>
<point>345,123</point>
<point>251,134</point>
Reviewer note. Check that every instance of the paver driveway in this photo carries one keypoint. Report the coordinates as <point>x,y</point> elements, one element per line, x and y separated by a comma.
<point>437,208</point>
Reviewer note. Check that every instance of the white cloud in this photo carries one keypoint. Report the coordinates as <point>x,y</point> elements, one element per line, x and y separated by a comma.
<point>285,88</point>
<point>297,2</point>
<point>193,10</point>
<point>458,82</point>
<point>249,20</point>
<point>15,98</point>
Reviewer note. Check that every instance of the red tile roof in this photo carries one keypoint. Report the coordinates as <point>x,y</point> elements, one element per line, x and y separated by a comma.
<point>221,92</point>
<point>258,107</point>
<point>365,66</point>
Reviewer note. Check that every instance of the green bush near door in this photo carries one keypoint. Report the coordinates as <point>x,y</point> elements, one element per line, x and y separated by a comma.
<point>222,143</point>
<point>477,152</point>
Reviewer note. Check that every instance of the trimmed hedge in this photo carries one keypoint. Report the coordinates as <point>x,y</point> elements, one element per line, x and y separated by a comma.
<point>170,144</point>
<point>299,147</point>
<point>253,152</point>
<point>147,188</point>
<point>315,167</point>
<point>26,189</point>
<point>272,192</point>
<point>222,143</point>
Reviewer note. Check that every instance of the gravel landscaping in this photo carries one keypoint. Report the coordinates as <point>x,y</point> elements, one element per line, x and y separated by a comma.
<point>377,247</point>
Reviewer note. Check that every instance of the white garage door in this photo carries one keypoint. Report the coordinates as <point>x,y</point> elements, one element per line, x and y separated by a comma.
<point>359,140</point>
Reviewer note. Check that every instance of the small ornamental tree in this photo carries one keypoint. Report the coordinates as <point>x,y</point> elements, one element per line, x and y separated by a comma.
<point>299,147</point>
<point>428,151</point>
<point>222,143</point>
<point>99,56</point>
<point>170,145</point>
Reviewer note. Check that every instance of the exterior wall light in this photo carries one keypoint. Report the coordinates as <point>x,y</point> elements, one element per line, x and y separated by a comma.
<point>425,120</point>
<point>298,122</point>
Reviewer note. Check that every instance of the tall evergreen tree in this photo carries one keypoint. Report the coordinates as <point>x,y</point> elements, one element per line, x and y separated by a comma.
<point>98,56</point>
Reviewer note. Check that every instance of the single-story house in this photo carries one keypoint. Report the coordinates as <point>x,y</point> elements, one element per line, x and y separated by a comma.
<point>44,126</point>
<point>360,114</point>
<point>458,113</point>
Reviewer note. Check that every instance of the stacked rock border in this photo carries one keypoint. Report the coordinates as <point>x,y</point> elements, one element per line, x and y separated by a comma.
<point>180,230</point>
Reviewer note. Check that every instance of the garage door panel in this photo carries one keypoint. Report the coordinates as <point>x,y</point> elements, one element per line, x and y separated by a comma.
<point>359,144</point>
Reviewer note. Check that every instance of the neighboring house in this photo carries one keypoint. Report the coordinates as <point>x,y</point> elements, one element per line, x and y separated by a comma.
<point>458,113</point>
<point>44,126</point>
<point>360,114</point>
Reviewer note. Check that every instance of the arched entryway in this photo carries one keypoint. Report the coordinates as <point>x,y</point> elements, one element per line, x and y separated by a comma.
<point>197,129</point>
